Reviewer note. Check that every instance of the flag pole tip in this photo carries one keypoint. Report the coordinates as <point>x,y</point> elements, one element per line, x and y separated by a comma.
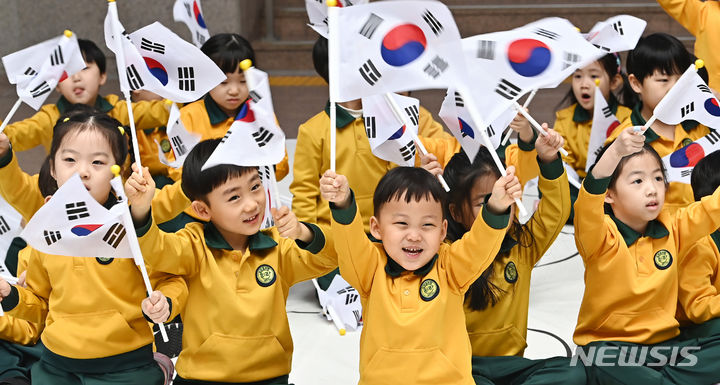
<point>699,63</point>
<point>68,33</point>
<point>597,82</point>
<point>111,1</point>
<point>332,3</point>
<point>245,64</point>
<point>168,101</point>
<point>115,170</point>
<point>342,332</point>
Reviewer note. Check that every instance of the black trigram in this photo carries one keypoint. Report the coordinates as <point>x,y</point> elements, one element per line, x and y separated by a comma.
<point>114,235</point>
<point>134,80</point>
<point>687,109</point>
<point>4,227</point>
<point>413,113</point>
<point>704,88</point>
<point>368,29</point>
<point>186,78</point>
<point>325,21</point>
<point>686,173</point>
<point>76,210</point>
<point>507,90</point>
<point>432,22</point>
<point>408,151</point>
<point>370,128</point>
<point>255,96</point>
<point>617,26</point>
<point>179,146</point>
<point>42,89</point>
<point>350,298</point>
<point>606,49</point>
<point>570,59</point>
<point>152,47</point>
<point>30,72</point>
<point>486,49</point>
<point>369,72</point>
<point>358,316</point>
<point>266,172</point>
<point>607,111</point>
<point>548,34</point>
<point>227,135</point>
<point>56,58</point>
<point>262,136</point>
<point>597,152</point>
<point>490,131</point>
<point>51,236</point>
<point>436,67</point>
<point>199,37</point>
<point>713,137</point>
<point>188,10</point>
<point>346,289</point>
<point>459,102</point>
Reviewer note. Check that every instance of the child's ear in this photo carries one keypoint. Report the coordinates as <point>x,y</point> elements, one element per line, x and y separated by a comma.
<point>610,197</point>
<point>103,79</point>
<point>455,214</point>
<point>375,228</point>
<point>444,229</point>
<point>635,84</point>
<point>201,209</point>
<point>616,82</point>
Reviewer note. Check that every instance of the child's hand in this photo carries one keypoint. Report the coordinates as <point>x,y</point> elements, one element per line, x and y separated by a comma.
<point>156,307</point>
<point>628,143</point>
<point>140,191</point>
<point>21,279</point>
<point>335,188</point>
<point>4,145</point>
<point>522,126</point>
<point>547,146</point>
<point>4,289</point>
<point>504,192</point>
<point>288,225</point>
<point>429,162</point>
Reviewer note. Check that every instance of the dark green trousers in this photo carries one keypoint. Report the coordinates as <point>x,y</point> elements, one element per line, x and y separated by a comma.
<point>282,380</point>
<point>46,374</point>
<point>16,360</point>
<point>518,370</point>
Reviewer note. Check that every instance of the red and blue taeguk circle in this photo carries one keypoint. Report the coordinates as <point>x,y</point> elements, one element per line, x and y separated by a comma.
<point>157,70</point>
<point>246,114</point>
<point>529,57</point>
<point>83,230</point>
<point>398,133</point>
<point>711,105</point>
<point>403,44</point>
<point>198,15</point>
<point>687,156</point>
<point>466,129</point>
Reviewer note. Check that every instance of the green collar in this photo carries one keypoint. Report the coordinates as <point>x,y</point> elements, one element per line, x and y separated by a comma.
<point>581,115</point>
<point>342,117</point>
<point>655,229</point>
<point>650,136</point>
<point>393,269</point>
<point>507,244</point>
<point>110,202</point>
<point>716,238</point>
<point>214,112</point>
<point>101,104</point>
<point>257,241</point>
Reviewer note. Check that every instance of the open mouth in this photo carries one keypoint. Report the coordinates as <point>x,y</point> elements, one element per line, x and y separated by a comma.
<point>412,251</point>
<point>585,97</point>
<point>652,205</point>
<point>78,91</point>
<point>252,219</point>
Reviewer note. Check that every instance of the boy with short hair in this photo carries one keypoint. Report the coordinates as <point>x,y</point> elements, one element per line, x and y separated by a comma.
<point>412,285</point>
<point>235,324</point>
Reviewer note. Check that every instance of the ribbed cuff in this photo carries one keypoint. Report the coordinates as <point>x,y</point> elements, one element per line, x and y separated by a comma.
<point>344,216</point>
<point>496,221</point>
<point>12,300</point>
<point>143,228</point>
<point>7,158</point>
<point>318,241</point>
<point>552,170</point>
<point>525,146</point>
<point>596,186</point>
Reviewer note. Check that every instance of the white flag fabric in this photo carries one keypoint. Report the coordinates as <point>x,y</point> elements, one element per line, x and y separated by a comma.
<point>159,61</point>
<point>392,46</point>
<point>604,122</point>
<point>345,300</point>
<point>72,223</point>
<point>318,15</point>
<point>689,99</point>
<point>573,177</point>
<point>10,221</point>
<point>190,13</point>
<point>181,141</point>
<point>254,138</point>
<point>455,114</point>
<point>390,139</point>
<point>680,164</point>
<point>266,179</point>
<point>36,70</point>
<point>616,34</point>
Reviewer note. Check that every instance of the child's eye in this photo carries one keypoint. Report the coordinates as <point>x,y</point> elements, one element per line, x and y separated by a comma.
<point>70,160</point>
<point>400,223</point>
<point>234,197</point>
<point>659,179</point>
<point>255,187</point>
<point>429,225</point>
<point>99,162</point>
<point>637,181</point>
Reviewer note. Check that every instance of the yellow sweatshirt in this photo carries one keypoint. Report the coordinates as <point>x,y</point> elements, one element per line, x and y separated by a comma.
<point>38,129</point>
<point>205,117</point>
<point>631,280</point>
<point>574,123</point>
<point>235,327</point>
<point>501,330</point>
<point>413,329</point>
<point>354,159</point>
<point>429,127</point>
<point>699,294</point>
<point>15,329</point>
<point>700,18</point>
<point>678,195</point>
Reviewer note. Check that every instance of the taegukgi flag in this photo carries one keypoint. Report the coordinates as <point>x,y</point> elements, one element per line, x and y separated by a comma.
<point>616,34</point>
<point>318,14</point>
<point>604,122</point>
<point>680,164</point>
<point>689,99</point>
<point>390,139</point>
<point>10,227</point>
<point>190,13</point>
<point>181,141</point>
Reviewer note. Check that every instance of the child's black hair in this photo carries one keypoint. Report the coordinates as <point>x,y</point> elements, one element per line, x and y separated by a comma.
<point>46,183</point>
<point>647,149</point>
<point>197,184</point>
<point>320,58</point>
<point>661,52</point>
<point>612,66</point>
<point>705,177</point>
<point>92,54</point>
<point>227,50</point>
<point>461,175</point>
<point>413,183</point>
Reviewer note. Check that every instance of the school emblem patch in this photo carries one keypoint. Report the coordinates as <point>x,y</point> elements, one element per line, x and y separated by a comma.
<point>104,260</point>
<point>686,142</point>
<point>663,259</point>
<point>429,289</point>
<point>165,145</point>
<point>511,273</point>
<point>265,275</point>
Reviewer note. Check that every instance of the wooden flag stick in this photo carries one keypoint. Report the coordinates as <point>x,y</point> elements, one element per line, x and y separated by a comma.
<point>10,114</point>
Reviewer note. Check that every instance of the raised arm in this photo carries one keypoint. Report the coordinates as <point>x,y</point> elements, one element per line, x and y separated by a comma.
<point>19,189</point>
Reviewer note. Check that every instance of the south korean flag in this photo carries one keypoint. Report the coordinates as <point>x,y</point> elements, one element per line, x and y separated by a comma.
<point>393,46</point>
<point>689,99</point>
<point>266,178</point>
<point>318,13</point>
<point>190,12</point>
<point>389,139</point>
<point>680,164</point>
<point>181,141</point>
<point>10,228</point>
<point>616,34</point>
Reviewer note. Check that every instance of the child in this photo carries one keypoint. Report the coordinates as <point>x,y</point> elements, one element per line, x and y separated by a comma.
<point>412,284</point>
<point>235,324</point>
<point>95,331</point>
<point>654,66</point>
<point>212,116</point>
<point>83,88</point>
<point>630,245</point>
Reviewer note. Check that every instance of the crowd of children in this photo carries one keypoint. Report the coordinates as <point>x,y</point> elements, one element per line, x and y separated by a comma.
<point>444,277</point>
